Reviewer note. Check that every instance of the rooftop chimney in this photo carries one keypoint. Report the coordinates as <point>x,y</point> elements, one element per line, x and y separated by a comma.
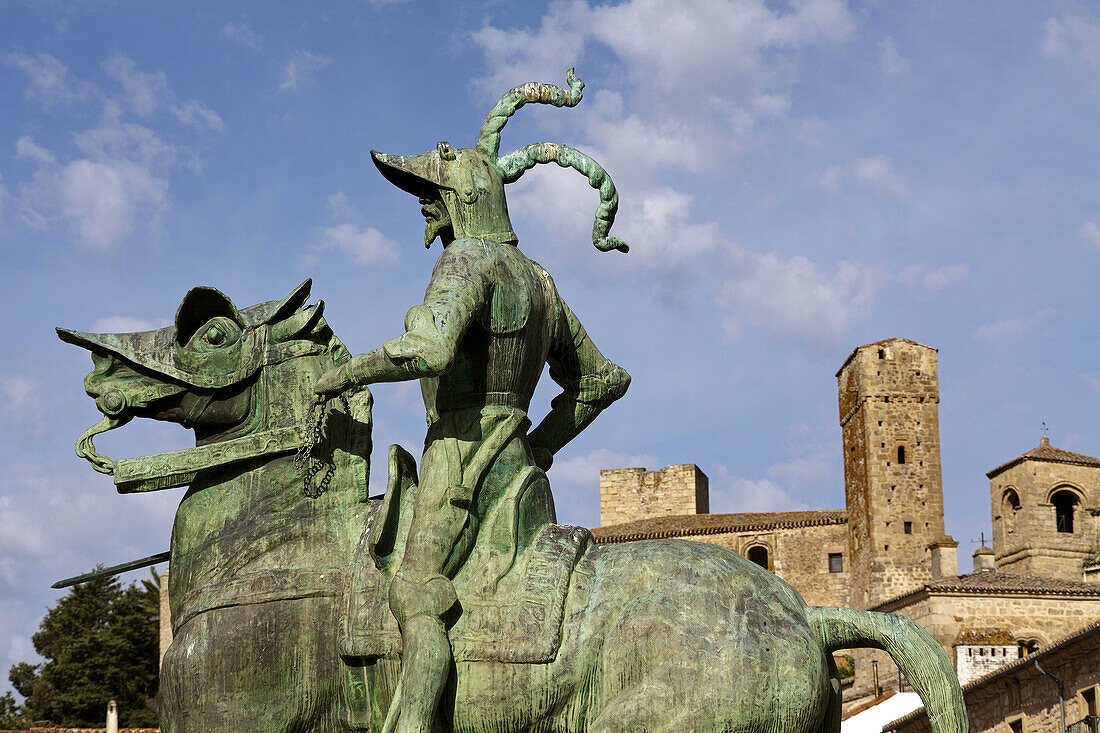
<point>945,559</point>
<point>983,560</point>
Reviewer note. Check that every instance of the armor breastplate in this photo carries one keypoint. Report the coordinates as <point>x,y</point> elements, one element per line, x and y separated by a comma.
<point>503,352</point>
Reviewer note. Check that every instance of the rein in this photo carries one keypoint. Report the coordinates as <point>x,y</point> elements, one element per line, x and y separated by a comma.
<point>179,468</point>
<point>304,460</point>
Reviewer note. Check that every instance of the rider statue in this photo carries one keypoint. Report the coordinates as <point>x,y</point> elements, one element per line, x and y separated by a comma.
<point>491,318</point>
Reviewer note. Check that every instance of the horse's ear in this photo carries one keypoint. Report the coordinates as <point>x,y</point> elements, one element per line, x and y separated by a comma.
<point>199,306</point>
<point>291,303</point>
<point>301,321</point>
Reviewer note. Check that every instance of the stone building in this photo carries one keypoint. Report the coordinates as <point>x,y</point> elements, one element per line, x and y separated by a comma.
<point>1045,506</point>
<point>808,549</point>
<point>1022,697</point>
<point>887,550</point>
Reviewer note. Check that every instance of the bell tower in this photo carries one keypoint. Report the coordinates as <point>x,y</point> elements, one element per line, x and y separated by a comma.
<point>889,416</point>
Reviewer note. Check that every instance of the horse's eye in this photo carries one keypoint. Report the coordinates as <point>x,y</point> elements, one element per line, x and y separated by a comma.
<point>215,335</point>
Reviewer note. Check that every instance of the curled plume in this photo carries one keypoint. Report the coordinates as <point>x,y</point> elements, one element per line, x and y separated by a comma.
<point>488,140</point>
<point>515,164</point>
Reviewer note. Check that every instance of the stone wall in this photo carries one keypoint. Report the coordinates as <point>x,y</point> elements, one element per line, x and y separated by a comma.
<point>888,395</point>
<point>798,556</point>
<point>1026,539</point>
<point>1039,618</point>
<point>627,494</point>
<point>1020,698</point>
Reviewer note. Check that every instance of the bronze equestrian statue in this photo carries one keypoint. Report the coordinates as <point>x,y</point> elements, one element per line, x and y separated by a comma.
<point>454,602</point>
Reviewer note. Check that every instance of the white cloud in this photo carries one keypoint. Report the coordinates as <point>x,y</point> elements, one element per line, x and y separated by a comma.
<point>119,177</point>
<point>890,60</point>
<point>812,131</point>
<point>832,177</point>
<point>300,69</point>
<point>103,195</point>
<point>196,114</point>
<point>40,505</point>
<point>338,204</point>
<point>25,147</point>
<point>738,494</point>
<point>242,35</point>
<point>1090,232</point>
<point>366,247</point>
<point>144,92</point>
<point>22,394</point>
<point>876,173</point>
<point>123,324</point>
<point>747,52</point>
<point>1093,381</point>
<point>584,471</point>
<point>1073,37</point>
<point>945,277</point>
<point>791,297</point>
<point>1013,330</point>
<point>657,221</point>
<point>49,78</point>
<point>576,481</point>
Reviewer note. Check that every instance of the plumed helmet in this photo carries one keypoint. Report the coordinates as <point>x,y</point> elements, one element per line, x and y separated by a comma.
<point>471,180</point>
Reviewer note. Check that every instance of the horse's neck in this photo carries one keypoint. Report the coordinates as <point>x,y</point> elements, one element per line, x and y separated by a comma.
<point>284,393</point>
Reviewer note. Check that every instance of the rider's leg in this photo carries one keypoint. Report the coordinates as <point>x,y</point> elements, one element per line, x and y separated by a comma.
<point>419,597</point>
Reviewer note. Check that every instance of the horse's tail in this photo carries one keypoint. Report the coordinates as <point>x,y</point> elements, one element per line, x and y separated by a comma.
<point>917,655</point>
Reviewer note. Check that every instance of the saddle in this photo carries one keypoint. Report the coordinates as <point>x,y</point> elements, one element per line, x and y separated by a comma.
<point>511,590</point>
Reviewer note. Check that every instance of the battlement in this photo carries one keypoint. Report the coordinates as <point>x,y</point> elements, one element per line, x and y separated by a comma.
<point>628,494</point>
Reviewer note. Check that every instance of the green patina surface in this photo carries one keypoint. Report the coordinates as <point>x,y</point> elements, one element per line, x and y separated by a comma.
<point>455,602</point>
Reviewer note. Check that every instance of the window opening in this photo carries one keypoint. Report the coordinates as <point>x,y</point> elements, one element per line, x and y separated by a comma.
<point>1064,503</point>
<point>901,454</point>
<point>759,555</point>
<point>836,562</point>
<point>1010,504</point>
<point>908,528</point>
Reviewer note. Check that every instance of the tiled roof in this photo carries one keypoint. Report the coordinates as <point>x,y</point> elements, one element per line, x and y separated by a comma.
<point>985,637</point>
<point>994,581</point>
<point>685,525</point>
<point>1074,641</point>
<point>1047,453</point>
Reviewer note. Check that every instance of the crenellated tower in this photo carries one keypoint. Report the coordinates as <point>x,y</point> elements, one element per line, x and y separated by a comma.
<point>889,415</point>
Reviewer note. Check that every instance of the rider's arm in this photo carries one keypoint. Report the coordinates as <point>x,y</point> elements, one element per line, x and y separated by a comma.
<point>456,293</point>
<point>589,381</point>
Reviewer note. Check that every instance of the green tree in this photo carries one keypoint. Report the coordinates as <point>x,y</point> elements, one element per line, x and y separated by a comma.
<point>100,643</point>
<point>12,715</point>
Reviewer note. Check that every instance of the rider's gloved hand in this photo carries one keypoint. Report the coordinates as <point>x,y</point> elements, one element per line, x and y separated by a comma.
<point>336,380</point>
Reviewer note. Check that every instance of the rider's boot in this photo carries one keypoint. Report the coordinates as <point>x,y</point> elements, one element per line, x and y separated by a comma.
<point>425,665</point>
<point>426,657</point>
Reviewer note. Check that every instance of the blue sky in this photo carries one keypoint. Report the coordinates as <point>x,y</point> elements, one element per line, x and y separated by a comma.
<point>796,179</point>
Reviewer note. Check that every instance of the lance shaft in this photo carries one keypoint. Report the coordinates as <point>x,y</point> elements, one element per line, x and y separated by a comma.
<point>114,570</point>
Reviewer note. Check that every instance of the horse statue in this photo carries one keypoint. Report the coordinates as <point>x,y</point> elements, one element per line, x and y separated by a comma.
<point>280,563</point>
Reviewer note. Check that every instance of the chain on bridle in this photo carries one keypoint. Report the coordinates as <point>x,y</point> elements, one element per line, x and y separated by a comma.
<point>305,461</point>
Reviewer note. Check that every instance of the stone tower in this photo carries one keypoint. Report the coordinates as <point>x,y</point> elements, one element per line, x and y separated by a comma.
<point>1045,512</point>
<point>627,494</point>
<point>889,415</point>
